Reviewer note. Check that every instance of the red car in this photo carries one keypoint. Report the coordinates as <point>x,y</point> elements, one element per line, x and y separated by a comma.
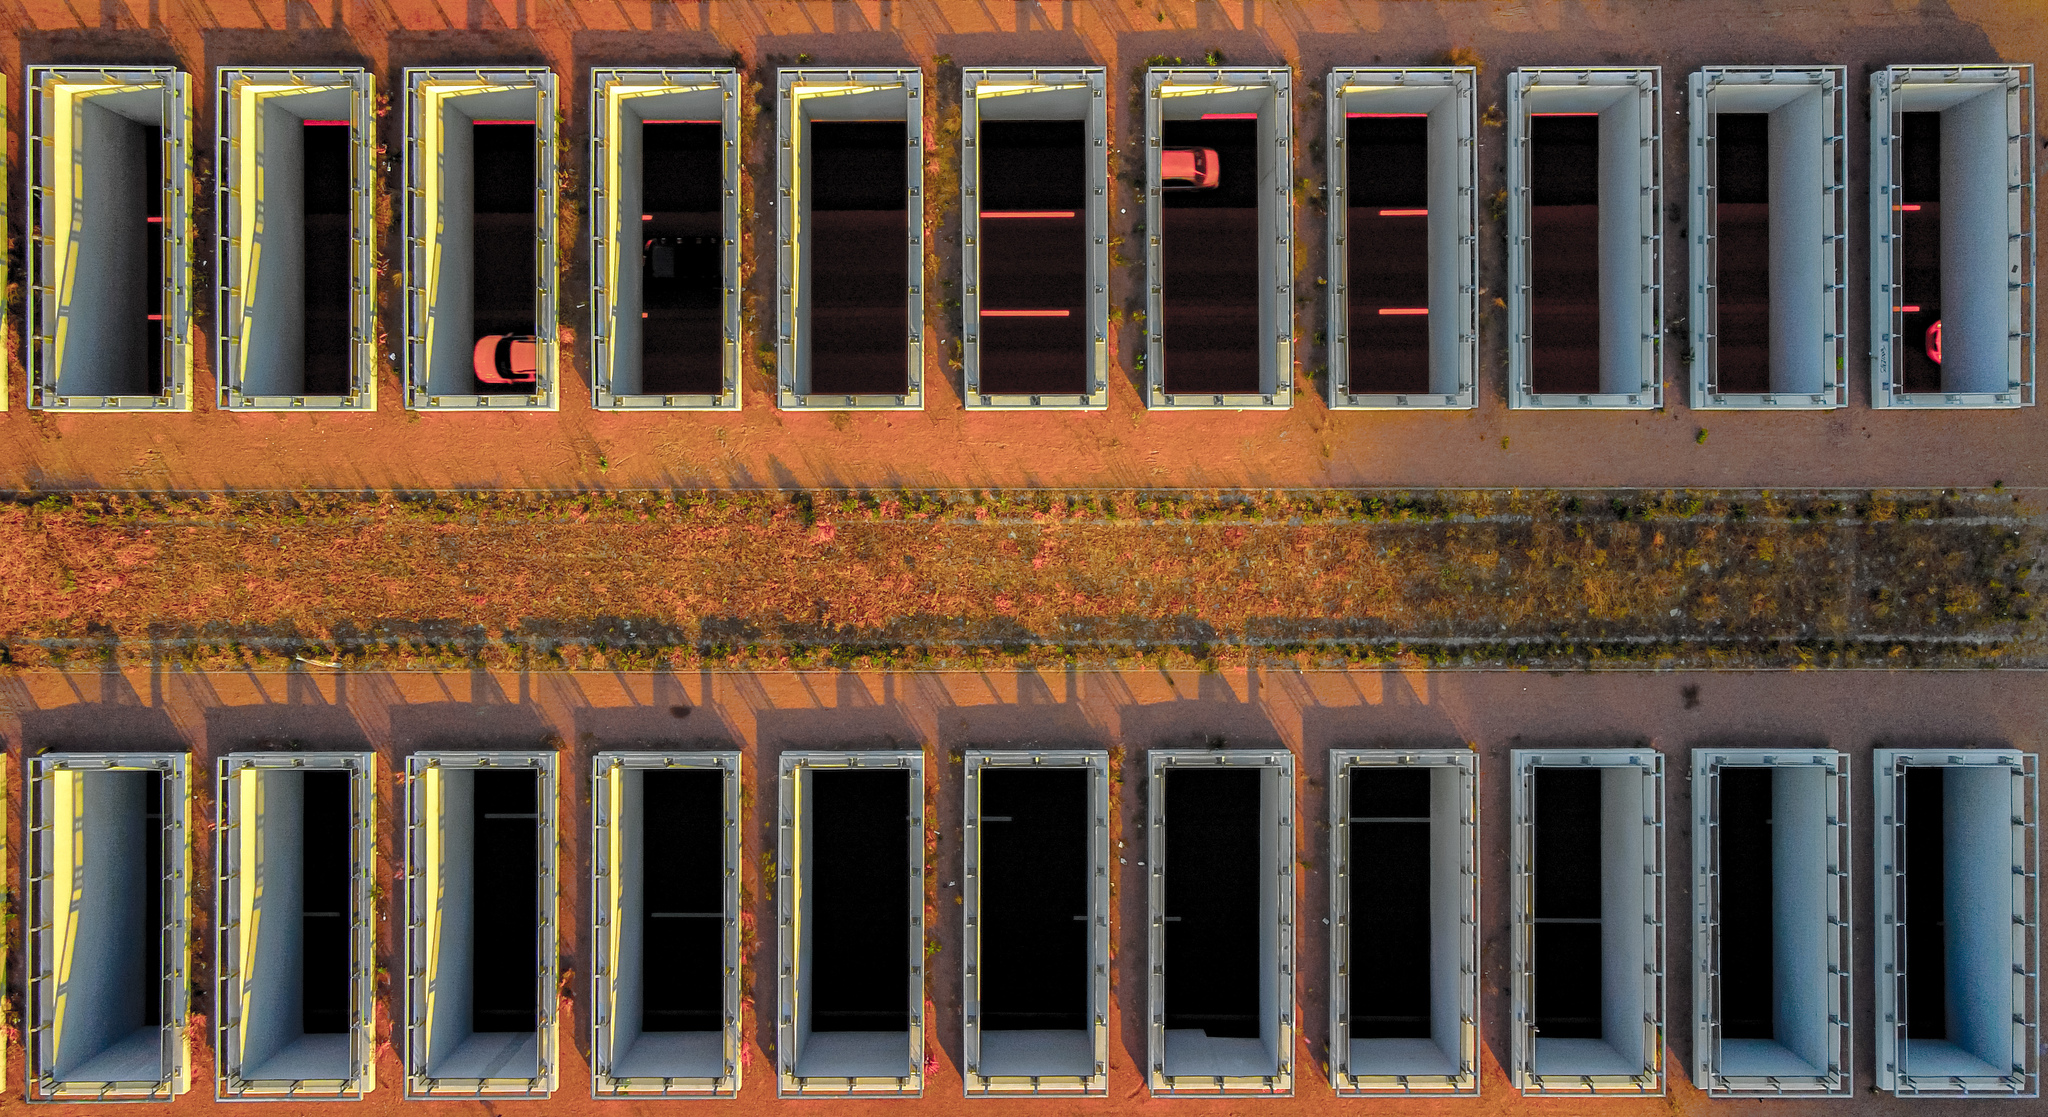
<point>507,359</point>
<point>1934,343</point>
<point>1189,168</point>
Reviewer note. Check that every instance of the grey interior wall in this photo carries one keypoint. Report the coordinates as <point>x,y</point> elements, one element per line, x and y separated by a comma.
<point>1446,889</point>
<point>453,990</point>
<point>1273,790</point>
<point>274,983</point>
<point>102,993</point>
<point>1621,904</point>
<point>274,361</point>
<point>1974,300</point>
<point>107,336</point>
<point>1445,232</point>
<point>629,967</point>
<point>806,826</point>
<point>1797,313</point>
<point>1977,814</point>
<point>1621,259</point>
<point>1799,918</point>
<point>1273,222</point>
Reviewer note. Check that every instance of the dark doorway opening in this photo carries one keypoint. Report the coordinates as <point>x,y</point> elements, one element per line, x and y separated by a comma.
<point>1386,174</point>
<point>683,900</point>
<point>1747,925</point>
<point>682,276</point>
<point>1918,290</point>
<point>1212,901</point>
<point>1926,914</point>
<point>1034,898</point>
<point>1388,903</point>
<point>1210,251</point>
<point>860,267</point>
<point>505,236</point>
<point>1564,253</point>
<point>1033,329</point>
<point>328,256</point>
<point>506,956</point>
<point>1742,252</point>
<point>326,897</point>
<point>860,899</point>
<point>1567,919</point>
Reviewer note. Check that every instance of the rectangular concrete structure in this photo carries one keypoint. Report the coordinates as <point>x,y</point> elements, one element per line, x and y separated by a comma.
<point>109,272</point>
<point>295,988</point>
<point>1404,922</point>
<point>479,237</point>
<point>1587,921</point>
<point>1772,926</point>
<point>109,859</point>
<point>1585,238</point>
<point>1034,226</point>
<point>665,831</point>
<point>1767,244</point>
<point>844,341</point>
<point>844,906</point>
<point>1957,907</point>
<point>1952,236</point>
<point>294,214</point>
<point>665,238</point>
<point>1219,262</point>
<point>480,876</point>
<point>1404,248</point>
<point>1035,993</point>
<point>1220,843</point>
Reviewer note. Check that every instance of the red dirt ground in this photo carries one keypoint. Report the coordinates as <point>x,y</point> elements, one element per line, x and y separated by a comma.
<point>1308,713</point>
<point>945,446</point>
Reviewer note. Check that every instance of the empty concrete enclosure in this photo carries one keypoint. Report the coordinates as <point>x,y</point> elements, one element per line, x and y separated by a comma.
<point>849,225</point>
<point>1767,241</point>
<point>1404,252</point>
<point>1952,236</point>
<point>480,215</point>
<point>849,920</point>
<point>109,266</point>
<point>296,950</point>
<point>108,862</point>
<point>1220,922</point>
<point>294,210</point>
<point>480,990</point>
<point>1957,875</point>
<point>1404,922</point>
<point>1219,238</point>
<point>1772,930</point>
<point>665,238</point>
<point>1587,882</point>
<point>666,960</point>
<point>1585,212</point>
<point>1036,909</point>
<point>1034,222</point>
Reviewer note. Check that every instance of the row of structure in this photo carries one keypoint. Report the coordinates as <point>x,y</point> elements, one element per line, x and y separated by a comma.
<point>1953,883</point>
<point>1950,288</point>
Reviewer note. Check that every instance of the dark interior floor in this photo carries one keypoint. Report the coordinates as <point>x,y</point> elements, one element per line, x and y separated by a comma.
<point>1034,898</point>
<point>328,261</point>
<point>505,989</point>
<point>1387,252</point>
<point>1919,283</point>
<point>1747,950</point>
<point>1209,250</point>
<point>860,900</point>
<point>1212,901</point>
<point>1388,903</point>
<point>682,275</point>
<point>1567,918</point>
<point>327,901</point>
<point>860,264</point>
<point>1564,254</point>
<point>1742,253</point>
<point>1926,915</point>
<point>1034,257</point>
<point>506,237</point>
<point>682,962</point>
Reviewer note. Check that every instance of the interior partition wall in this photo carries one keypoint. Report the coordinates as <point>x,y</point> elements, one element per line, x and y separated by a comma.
<point>1957,877</point>
<point>109,861</point>
<point>1585,238</point>
<point>295,941</point>
<point>1587,925</point>
<point>294,210</point>
<point>850,925</point>
<point>849,228</point>
<point>1036,923</point>
<point>480,941</point>
<point>1404,922</point>
<point>1772,933</point>
<point>1034,234</point>
<point>109,220</point>
<point>1952,236</point>
<point>665,943</point>
<point>1220,922</point>
<point>1219,251</point>
<point>1404,246</point>
<point>1768,241</point>
<point>480,216</point>
<point>665,239</point>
